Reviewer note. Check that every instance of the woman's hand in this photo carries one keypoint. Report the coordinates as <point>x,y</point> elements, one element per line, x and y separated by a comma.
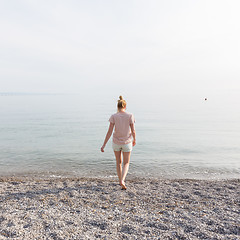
<point>109,133</point>
<point>102,148</point>
<point>134,142</point>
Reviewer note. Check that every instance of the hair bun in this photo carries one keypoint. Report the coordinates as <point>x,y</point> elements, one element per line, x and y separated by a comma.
<point>121,103</point>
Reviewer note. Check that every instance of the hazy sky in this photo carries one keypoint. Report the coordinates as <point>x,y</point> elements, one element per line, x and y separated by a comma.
<point>165,46</point>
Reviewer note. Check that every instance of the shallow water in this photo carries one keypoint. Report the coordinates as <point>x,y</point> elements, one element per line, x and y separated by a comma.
<point>177,136</point>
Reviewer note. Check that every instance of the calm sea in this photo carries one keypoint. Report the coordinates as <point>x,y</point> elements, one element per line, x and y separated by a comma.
<point>177,136</point>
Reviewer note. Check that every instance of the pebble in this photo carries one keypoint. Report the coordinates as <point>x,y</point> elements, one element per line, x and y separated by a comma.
<point>99,209</point>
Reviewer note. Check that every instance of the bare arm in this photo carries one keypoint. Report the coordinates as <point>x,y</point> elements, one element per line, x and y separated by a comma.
<point>109,133</point>
<point>133,133</point>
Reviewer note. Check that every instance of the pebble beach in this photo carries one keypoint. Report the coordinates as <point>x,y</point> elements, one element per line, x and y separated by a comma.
<point>93,208</point>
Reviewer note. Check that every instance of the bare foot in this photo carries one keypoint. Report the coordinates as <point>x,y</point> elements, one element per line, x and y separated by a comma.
<point>123,185</point>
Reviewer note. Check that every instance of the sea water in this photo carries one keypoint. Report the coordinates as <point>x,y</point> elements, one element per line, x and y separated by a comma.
<point>177,136</point>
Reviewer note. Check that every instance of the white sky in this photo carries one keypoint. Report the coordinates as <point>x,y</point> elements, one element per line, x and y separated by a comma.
<point>170,46</point>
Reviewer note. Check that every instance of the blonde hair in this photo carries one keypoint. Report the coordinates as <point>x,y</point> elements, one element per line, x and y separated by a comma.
<point>121,103</point>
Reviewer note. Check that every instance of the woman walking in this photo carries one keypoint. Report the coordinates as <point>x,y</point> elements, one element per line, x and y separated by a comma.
<point>124,138</point>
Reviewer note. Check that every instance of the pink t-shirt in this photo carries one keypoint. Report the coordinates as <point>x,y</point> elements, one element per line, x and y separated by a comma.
<point>122,132</point>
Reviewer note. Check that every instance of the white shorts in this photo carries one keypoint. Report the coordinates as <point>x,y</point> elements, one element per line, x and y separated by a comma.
<point>124,147</point>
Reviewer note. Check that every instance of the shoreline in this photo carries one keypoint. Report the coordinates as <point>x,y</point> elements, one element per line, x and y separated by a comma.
<point>97,208</point>
<point>111,175</point>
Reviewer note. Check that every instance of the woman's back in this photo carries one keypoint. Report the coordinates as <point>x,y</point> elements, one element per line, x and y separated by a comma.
<point>122,133</point>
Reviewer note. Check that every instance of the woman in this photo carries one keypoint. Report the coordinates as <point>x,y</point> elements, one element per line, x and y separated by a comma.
<point>124,138</point>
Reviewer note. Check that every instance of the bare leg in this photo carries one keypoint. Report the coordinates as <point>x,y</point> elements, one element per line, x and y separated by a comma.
<point>126,160</point>
<point>118,156</point>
